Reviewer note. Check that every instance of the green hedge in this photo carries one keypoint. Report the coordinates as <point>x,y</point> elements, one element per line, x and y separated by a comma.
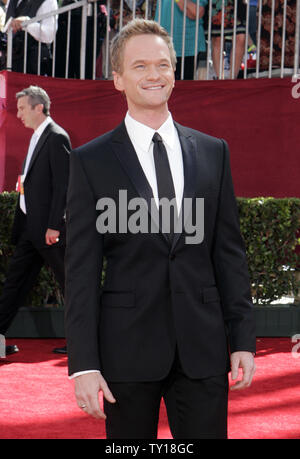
<point>46,291</point>
<point>269,227</point>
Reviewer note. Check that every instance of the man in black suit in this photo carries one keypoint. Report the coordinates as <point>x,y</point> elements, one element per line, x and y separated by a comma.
<point>175,307</point>
<point>39,224</point>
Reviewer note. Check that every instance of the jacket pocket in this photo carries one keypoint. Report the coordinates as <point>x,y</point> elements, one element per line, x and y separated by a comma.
<point>210,295</point>
<point>118,299</point>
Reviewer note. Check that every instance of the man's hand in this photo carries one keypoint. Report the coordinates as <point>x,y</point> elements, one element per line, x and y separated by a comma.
<point>244,360</point>
<point>16,24</point>
<point>87,388</point>
<point>52,236</point>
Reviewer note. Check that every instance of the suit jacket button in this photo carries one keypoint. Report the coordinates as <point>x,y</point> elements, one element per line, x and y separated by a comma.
<point>172,256</point>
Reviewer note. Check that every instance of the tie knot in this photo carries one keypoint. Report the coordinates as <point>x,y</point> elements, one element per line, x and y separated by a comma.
<point>156,138</point>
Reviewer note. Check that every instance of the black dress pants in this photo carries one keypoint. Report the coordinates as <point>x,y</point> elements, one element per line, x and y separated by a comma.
<point>24,267</point>
<point>196,408</point>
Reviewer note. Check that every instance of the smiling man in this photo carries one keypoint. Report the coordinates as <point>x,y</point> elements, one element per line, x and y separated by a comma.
<point>39,224</point>
<point>170,316</point>
<point>146,80</point>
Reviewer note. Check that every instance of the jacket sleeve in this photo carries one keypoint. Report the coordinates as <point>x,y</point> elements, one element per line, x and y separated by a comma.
<point>59,163</point>
<point>83,264</point>
<point>231,268</point>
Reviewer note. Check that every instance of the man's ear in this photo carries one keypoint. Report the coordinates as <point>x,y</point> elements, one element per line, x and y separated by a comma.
<point>118,81</point>
<point>39,108</point>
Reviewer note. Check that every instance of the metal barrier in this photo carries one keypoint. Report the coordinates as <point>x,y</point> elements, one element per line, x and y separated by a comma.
<point>229,50</point>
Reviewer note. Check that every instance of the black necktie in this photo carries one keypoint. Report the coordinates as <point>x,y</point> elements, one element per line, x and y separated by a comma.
<point>164,179</point>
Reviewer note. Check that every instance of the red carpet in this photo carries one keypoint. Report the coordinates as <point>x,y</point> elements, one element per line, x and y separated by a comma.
<point>37,399</point>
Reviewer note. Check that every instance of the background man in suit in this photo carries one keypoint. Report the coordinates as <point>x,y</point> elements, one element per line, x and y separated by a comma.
<point>168,310</point>
<point>39,224</point>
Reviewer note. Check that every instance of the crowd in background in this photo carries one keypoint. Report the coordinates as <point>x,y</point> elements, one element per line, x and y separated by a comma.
<point>180,18</point>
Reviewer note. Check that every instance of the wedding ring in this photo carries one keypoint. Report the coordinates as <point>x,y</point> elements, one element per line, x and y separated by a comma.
<point>82,407</point>
<point>57,239</point>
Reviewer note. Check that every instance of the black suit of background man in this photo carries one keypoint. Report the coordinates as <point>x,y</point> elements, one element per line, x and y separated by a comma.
<point>45,189</point>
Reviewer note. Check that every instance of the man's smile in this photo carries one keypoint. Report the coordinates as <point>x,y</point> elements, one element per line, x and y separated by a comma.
<point>152,88</point>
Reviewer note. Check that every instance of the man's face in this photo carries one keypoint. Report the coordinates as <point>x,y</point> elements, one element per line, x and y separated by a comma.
<point>27,114</point>
<point>147,77</point>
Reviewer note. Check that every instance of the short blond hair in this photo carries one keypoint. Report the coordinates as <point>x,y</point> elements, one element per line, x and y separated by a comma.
<point>132,29</point>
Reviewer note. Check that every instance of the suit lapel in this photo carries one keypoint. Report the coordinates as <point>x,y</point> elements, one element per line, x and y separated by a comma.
<point>38,147</point>
<point>188,148</point>
<point>127,156</point>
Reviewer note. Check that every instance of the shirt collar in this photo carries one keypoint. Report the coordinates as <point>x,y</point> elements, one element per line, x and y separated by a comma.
<point>38,132</point>
<point>142,134</point>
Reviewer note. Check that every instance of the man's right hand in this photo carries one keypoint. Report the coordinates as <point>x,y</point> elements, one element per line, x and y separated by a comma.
<point>87,388</point>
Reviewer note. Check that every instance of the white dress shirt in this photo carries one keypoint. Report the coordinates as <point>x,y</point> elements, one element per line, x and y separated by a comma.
<point>141,138</point>
<point>33,141</point>
<point>45,30</point>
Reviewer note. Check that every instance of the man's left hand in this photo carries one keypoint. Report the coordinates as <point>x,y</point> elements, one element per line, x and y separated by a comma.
<point>52,236</point>
<point>244,360</point>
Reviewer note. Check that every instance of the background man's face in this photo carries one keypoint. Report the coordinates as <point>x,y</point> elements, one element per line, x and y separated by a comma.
<point>26,113</point>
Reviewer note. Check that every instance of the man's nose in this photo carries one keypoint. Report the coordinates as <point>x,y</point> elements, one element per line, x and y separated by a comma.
<point>153,73</point>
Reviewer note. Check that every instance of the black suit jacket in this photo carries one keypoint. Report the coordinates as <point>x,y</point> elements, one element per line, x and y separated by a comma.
<point>45,188</point>
<point>156,295</point>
